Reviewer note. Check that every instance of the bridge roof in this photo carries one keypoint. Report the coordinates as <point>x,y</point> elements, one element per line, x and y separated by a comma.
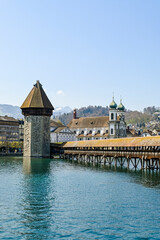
<point>118,142</point>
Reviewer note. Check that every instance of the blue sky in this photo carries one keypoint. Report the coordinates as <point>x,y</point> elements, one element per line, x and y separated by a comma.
<point>81,51</point>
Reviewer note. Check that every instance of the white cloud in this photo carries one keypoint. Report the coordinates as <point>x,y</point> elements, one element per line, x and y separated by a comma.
<point>60,93</point>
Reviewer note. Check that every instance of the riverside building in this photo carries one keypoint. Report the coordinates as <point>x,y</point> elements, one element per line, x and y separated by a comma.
<point>104,127</point>
<point>9,129</point>
<point>60,132</point>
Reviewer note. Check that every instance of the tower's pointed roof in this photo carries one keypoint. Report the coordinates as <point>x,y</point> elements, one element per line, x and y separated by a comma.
<point>37,98</point>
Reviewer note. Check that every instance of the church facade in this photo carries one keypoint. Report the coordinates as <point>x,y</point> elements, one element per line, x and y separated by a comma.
<point>103,127</point>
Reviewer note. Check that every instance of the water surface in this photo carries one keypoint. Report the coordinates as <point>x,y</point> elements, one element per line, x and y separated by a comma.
<point>54,199</point>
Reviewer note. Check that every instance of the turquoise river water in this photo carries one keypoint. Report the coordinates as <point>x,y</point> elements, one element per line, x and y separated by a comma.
<point>54,199</point>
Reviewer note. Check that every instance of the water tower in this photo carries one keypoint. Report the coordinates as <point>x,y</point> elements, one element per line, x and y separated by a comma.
<point>37,110</point>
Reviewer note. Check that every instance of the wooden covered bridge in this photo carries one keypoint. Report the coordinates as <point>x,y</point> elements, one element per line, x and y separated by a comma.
<point>139,152</point>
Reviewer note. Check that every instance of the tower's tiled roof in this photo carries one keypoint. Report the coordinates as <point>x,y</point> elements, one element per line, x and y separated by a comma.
<point>37,98</point>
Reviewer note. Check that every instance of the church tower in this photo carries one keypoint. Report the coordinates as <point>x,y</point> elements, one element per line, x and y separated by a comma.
<point>122,123</point>
<point>37,110</point>
<point>113,119</point>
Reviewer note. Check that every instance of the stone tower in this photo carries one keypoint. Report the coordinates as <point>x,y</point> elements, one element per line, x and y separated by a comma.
<point>37,110</point>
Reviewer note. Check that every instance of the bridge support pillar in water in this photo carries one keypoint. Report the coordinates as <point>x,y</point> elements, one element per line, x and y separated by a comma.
<point>128,162</point>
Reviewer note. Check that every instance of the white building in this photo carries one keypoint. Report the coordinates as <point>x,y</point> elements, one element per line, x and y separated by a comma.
<point>91,128</point>
<point>60,133</point>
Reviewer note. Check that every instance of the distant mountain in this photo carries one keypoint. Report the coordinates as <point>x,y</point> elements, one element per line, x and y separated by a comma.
<point>65,114</point>
<point>9,110</point>
<point>58,111</point>
<point>15,111</point>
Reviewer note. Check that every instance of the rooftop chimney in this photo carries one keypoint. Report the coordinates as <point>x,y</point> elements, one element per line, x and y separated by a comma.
<point>74,114</point>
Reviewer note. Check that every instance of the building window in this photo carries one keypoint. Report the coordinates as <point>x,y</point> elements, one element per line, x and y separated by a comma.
<point>112,116</point>
<point>111,130</point>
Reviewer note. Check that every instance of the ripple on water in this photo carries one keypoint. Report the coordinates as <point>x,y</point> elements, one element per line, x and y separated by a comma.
<point>59,200</point>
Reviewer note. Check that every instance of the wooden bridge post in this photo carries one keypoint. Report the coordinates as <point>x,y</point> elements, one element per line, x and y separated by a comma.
<point>79,158</point>
<point>142,163</point>
<point>110,161</point>
<point>157,164</point>
<point>128,162</point>
<point>135,162</point>
<point>97,159</point>
<point>146,162</point>
<point>121,161</point>
<point>104,160</point>
<point>93,159</point>
<point>115,162</point>
<point>100,159</point>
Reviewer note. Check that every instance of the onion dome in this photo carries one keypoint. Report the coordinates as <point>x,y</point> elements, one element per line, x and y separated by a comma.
<point>121,106</point>
<point>113,104</point>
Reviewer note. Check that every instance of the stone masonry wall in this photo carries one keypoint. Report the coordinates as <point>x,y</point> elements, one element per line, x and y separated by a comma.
<point>37,136</point>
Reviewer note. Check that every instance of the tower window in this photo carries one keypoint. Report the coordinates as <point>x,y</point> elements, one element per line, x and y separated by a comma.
<point>111,130</point>
<point>112,116</point>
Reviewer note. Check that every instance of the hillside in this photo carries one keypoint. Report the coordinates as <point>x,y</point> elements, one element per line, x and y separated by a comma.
<point>132,117</point>
<point>65,114</point>
<point>135,117</point>
<point>85,112</point>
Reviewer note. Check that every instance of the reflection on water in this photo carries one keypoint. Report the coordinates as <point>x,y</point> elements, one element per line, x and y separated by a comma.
<point>49,199</point>
<point>149,178</point>
<point>37,200</point>
<point>35,165</point>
